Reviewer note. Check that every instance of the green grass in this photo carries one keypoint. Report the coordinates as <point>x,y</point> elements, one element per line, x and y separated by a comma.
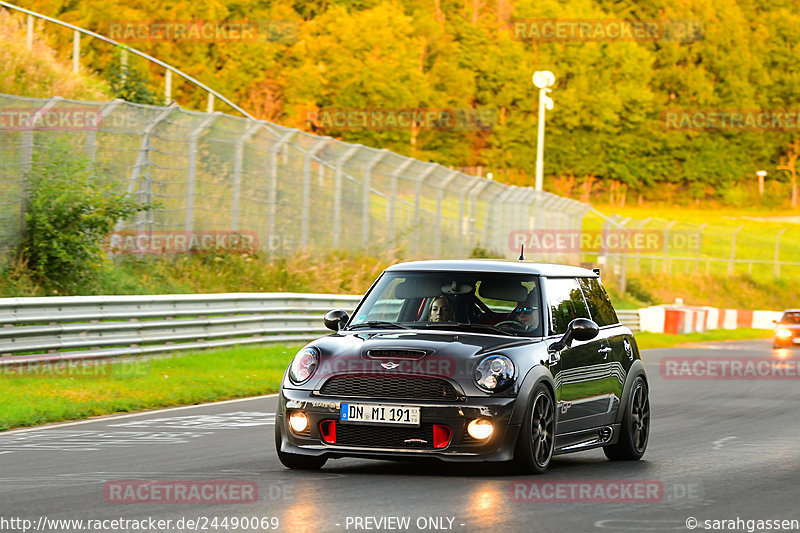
<point>196,377</point>
<point>647,340</point>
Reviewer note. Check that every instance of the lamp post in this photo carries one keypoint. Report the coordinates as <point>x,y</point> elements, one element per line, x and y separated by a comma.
<point>761,175</point>
<point>543,80</point>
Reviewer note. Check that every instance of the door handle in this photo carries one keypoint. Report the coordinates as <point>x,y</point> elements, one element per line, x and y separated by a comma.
<point>605,350</point>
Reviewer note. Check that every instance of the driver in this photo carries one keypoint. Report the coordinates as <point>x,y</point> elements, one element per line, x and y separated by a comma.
<point>527,312</point>
<point>441,309</point>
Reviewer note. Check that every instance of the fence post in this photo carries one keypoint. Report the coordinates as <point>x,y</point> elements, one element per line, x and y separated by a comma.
<point>27,154</point>
<point>697,250</point>
<point>366,196</point>
<point>440,211</point>
<point>29,33</point>
<point>210,105</point>
<point>91,133</point>
<point>391,208</point>
<point>481,184</point>
<point>418,208</point>
<point>123,65</point>
<point>143,159</point>
<point>168,87</point>
<point>639,251</point>
<point>733,251</point>
<point>337,194</point>
<point>776,272</point>
<point>500,202</point>
<point>76,51</point>
<point>191,175</point>
<point>238,162</point>
<point>665,266</point>
<point>305,209</point>
<point>272,194</point>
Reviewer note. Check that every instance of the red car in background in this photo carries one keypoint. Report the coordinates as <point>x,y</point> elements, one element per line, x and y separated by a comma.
<point>787,330</point>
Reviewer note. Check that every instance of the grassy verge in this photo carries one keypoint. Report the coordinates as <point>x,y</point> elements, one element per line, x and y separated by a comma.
<point>198,377</point>
<point>206,376</point>
<point>647,340</point>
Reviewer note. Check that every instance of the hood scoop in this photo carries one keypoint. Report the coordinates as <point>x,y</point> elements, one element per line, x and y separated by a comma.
<point>396,353</point>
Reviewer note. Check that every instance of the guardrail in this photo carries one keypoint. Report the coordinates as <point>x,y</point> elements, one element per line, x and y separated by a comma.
<point>630,318</point>
<point>95,327</point>
<point>91,327</point>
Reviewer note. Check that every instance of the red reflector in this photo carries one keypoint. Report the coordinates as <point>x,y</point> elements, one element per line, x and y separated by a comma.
<point>327,429</point>
<point>441,436</point>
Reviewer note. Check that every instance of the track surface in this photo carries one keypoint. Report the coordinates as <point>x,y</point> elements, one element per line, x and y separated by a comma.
<point>720,449</point>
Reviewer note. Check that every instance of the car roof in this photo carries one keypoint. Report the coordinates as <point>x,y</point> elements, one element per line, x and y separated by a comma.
<point>493,265</point>
<point>791,310</point>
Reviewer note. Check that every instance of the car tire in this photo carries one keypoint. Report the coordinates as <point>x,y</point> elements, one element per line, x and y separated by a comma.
<point>293,460</point>
<point>536,440</point>
<point>635,430</point>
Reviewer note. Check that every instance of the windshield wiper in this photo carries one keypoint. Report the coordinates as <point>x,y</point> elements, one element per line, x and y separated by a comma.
<point>377,324</point>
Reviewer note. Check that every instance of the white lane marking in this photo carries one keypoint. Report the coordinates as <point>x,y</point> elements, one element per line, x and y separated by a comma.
<point>718,443</point>
<point>82,441</point>
<point>238,419</point>
<point>104,418</point>
<point>1,453</point>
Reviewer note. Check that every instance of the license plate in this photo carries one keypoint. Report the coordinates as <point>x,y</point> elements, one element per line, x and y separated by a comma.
<point>379,414</point>
<point>796,340</point>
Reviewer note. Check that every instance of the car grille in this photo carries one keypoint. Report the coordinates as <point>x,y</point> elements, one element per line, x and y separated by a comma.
<point>396,388</point>
<point>385,437</point>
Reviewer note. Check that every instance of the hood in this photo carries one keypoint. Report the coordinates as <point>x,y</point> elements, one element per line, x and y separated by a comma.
<point>406,353</point>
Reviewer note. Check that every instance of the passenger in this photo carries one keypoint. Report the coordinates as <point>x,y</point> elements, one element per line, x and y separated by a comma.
<point>441,310</point>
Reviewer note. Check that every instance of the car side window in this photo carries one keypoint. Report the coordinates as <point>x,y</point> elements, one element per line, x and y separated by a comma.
<point>599,303</point>
<point>566,302</point>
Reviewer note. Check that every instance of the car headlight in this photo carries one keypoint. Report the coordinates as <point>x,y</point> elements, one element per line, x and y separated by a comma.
<point>304,365</point>
<point>783,333</point>
<point>494,373</point>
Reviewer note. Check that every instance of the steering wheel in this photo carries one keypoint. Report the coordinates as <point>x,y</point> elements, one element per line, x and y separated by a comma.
<point>512,324</point>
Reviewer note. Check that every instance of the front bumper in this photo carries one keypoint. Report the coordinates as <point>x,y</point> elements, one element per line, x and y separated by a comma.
<point>454,415</point>
<point>787,342</point>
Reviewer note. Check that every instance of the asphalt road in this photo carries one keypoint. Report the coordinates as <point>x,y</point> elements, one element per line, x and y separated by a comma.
<point>720,449</point>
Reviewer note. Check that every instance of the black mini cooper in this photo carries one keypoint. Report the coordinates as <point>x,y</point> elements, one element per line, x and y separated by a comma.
<point>468,361</point>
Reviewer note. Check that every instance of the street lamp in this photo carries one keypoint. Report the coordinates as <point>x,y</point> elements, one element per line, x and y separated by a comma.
<point>543,80</point>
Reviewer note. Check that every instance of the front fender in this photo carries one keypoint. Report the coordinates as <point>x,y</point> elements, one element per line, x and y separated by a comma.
<point>537,374</point>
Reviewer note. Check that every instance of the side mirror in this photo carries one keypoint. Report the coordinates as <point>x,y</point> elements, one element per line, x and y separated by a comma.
<point>336,319</point>
<point>581,329</point>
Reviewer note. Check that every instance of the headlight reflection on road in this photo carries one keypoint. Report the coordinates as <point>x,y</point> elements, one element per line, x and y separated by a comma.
<point>486,499</point>
<point>303,515</point>
<point>782,354</point>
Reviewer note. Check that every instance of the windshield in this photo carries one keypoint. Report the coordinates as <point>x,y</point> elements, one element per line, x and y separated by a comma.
<point>791,318</point>
<point>505,304</point>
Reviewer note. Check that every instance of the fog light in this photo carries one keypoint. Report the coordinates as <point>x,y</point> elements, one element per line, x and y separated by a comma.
<point>480,429</point>
<point>298,421</point>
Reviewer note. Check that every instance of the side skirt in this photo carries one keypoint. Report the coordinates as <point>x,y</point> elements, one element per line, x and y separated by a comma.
<point>587,439</point>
